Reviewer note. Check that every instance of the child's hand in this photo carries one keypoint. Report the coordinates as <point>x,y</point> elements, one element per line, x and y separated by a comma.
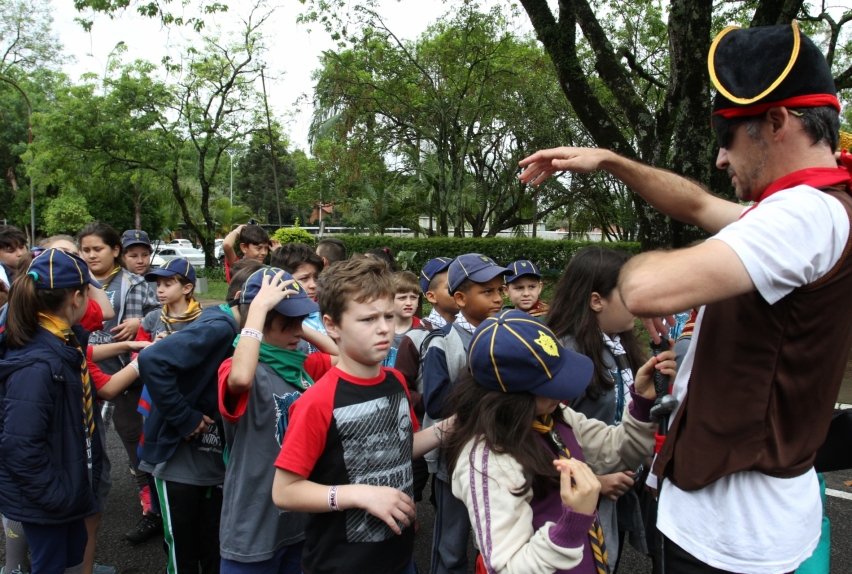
<point>126,330</point>
<point>616,484</point>
<point>644,381</point>
<point>391,506</point>
<point>136,346</point>
<point>272,291</point>
<point>579,487</point>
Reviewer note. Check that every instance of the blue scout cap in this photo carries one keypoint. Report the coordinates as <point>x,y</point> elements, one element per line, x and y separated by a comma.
<point>478,268</point>
<point>57,269</point>
<point>133,237</point>
<point>298,305</point>
<point>432,268</point>
<point>513,353</point>
<point>520,268</point>
<point>177,266</point>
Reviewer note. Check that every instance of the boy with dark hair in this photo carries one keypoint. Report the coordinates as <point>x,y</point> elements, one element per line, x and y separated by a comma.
<point>13,246</point>
<point>331,250</point>
<point>347,453</point>
<point>253,241</point>
<point>183,446</point>
<point>136,251</point>
<point>476,283</point>
<point>299,260</point>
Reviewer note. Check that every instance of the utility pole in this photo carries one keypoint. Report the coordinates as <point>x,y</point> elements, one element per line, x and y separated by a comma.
<point>271,147</point>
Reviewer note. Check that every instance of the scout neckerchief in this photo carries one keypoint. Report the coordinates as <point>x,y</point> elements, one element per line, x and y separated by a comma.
<point>105,282</point>
<point>816,177</point>
<point>545,425</point>
<point>193,310</point>
<point>462,323</point>
<point>287,364</point>
<point>61,329</point>
<point>435,319</point>
<point>622,372</point>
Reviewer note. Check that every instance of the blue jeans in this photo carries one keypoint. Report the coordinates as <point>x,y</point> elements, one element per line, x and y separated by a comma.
<point>451,531</point>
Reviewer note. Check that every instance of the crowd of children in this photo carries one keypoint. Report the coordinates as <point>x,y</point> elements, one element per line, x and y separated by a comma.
<point>294,427</point>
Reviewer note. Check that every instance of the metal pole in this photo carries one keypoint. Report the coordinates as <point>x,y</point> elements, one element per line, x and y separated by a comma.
<point>231,155</point>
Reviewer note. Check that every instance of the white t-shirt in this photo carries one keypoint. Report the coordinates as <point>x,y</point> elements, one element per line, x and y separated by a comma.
<point>749,521</point>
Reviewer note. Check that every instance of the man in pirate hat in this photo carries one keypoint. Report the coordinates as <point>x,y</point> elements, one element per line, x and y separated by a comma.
<point>738,489</point>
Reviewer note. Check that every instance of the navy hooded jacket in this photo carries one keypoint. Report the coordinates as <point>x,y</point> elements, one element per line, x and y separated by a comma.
<point>181,373</point>
<point>44,477</point>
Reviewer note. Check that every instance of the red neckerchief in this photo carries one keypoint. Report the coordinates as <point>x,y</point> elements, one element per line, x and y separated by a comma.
<point>816,177</point>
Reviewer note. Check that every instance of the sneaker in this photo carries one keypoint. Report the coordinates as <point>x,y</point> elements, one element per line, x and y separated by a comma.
<point>103,569</point>
<point>149,525</point>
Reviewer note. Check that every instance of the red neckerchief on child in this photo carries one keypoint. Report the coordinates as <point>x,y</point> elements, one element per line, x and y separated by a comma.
<point>816,177</point>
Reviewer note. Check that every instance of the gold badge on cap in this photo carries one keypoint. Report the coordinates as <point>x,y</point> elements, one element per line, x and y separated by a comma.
<point>547,344</point>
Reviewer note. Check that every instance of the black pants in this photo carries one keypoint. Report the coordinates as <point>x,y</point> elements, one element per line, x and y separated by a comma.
<point>191,526</point>
<point>679,561</point>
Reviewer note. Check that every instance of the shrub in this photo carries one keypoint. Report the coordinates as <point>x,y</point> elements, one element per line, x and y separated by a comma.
<point>293,234</point>
<point>551,256</point>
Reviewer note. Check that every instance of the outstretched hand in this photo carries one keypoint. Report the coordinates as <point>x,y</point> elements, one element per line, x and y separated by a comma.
<point>539,166</point>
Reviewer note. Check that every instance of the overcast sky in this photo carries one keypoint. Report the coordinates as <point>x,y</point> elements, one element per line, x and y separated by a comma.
<point>292,57</point>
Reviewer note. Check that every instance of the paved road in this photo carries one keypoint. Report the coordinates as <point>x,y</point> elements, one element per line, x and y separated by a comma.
<point>148,558</point>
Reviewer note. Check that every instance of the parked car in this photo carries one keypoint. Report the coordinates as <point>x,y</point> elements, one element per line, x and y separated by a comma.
<point>182,243</point>
<point>157,261</point>
<point>218,251</point>
<point>168,252</point>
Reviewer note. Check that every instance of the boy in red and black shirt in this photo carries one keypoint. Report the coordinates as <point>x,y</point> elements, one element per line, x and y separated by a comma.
<point>347,453</point>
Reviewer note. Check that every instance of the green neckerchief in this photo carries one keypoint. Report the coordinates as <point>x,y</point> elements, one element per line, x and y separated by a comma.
<point>287,364</point>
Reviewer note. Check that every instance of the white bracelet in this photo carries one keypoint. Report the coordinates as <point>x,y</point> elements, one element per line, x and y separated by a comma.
<point>135,364</point>
<point>252,334</point>
<point>332,498</point>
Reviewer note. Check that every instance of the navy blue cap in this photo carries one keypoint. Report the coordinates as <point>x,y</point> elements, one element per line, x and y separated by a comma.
<point>57,269</point>
<point>133,237</point>
<point>177,266</point>
<point>513,353</point>
<point>520,268</point>
<point>298,305</point>
<point>432,268</point>
<point>474,266</point>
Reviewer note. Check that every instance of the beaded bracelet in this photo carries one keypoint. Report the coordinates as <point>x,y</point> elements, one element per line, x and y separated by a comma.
<point>332,498</point>
<point>251,334</point>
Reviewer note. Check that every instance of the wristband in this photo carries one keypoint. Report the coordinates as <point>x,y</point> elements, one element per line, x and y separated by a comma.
<point>135,364</point>
<point>332,498</point>
<point>252,334</point>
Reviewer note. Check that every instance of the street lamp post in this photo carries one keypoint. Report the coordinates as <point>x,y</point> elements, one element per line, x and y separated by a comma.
<point>231,156</point>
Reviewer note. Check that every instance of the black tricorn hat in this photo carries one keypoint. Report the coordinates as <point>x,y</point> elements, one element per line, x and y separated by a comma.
<point>754,69</point>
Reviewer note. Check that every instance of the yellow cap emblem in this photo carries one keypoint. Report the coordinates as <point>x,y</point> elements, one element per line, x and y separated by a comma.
<point>547,344</point>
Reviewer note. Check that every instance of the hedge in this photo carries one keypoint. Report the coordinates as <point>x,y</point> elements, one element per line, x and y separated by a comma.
<point>550,255</point>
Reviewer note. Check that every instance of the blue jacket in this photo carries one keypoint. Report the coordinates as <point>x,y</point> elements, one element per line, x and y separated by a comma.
<point>181,374</point>
<point>44,477</point>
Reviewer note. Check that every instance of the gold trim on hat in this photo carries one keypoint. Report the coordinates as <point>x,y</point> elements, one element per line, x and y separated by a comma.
<point>711,67</point>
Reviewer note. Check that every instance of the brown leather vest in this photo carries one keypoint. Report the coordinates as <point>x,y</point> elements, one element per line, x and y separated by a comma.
<point>764,381</point>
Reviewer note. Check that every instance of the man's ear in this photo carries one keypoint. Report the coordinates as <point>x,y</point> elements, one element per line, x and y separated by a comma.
<point>331,327</point>
<point>460,299</point>
<point>778,118</point>
<point>596,302</point>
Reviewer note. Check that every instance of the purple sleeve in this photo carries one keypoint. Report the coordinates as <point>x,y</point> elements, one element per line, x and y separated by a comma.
<point>640,407</point>
<point>572,529</point>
